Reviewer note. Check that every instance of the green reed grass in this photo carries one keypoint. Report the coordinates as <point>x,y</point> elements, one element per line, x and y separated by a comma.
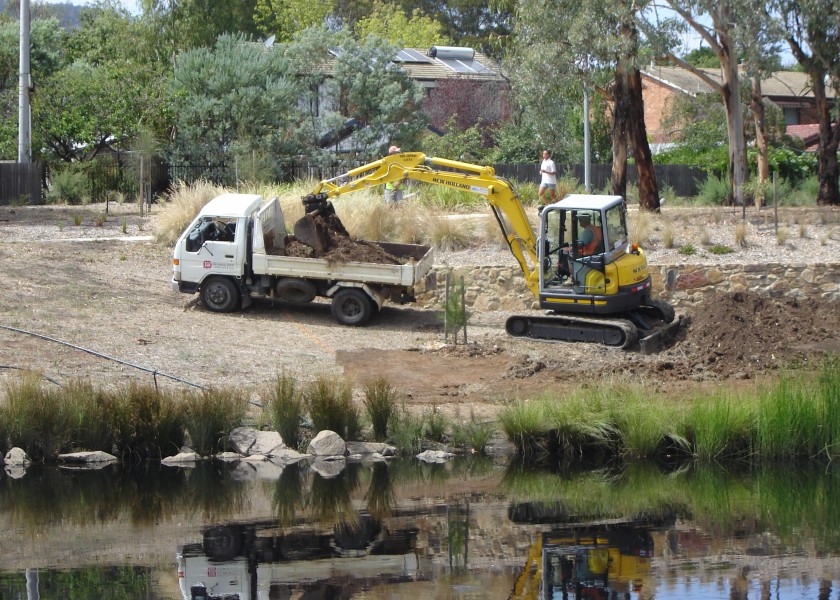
<point>720,428</point>
<point>472,434</point>
<point>284,406</point>
<point>329,400</point>
<point>794,419</point>
<point>406,430</point>
<point>210,415</point>
<point>380,404</point>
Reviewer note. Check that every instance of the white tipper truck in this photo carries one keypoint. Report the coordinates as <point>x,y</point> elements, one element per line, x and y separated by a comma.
<point>234,251</point>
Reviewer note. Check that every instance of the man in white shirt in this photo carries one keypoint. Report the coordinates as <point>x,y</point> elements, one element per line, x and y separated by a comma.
<point>548,171</point>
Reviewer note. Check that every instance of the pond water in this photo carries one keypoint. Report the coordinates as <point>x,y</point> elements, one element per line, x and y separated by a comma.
<point>470,528</point>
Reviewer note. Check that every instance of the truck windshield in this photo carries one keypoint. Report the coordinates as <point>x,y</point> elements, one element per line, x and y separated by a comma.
<point>208,229</point>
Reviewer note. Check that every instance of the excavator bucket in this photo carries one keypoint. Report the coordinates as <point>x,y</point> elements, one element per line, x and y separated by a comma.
<point>663,336</point>
<point>307,232</point>
<point>310,230</point>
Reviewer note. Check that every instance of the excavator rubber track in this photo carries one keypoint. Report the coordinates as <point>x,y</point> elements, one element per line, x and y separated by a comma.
<point>619,333</point>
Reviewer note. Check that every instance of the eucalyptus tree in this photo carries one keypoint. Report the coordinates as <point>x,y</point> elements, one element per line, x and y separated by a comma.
<point>234,100</point>
<point>812,31</point>
<point>562,46</point>
<point>390,22</point>
<point>284,18</point>
<point>46,57</point>
<point>716,21</point>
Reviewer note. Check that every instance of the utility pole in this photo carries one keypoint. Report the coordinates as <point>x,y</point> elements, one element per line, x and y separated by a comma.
<point>24,116</point>
<point>587,160</point>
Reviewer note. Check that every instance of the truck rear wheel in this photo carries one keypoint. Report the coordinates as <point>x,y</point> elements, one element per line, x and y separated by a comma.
<point>352,306</point>
<point>220,294</point>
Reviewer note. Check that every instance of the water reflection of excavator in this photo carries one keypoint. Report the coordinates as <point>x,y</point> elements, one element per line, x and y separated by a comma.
<point>598,563</point>
<point>594,285</point>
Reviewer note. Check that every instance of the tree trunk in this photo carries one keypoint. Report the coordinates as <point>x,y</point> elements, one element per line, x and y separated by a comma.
<point>757,109</point>
<point>618,177</point>
<point>730,92</point>
<point>829,176</point>
<point>648,189</point>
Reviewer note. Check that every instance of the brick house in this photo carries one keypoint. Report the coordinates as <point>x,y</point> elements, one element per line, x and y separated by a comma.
<point>455,80</point>
<point>789,90</point>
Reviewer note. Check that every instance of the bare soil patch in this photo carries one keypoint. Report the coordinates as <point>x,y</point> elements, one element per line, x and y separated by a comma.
<point>113,297</point>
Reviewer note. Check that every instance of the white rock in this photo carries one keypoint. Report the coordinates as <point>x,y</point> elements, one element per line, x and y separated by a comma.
<point>327,443</point>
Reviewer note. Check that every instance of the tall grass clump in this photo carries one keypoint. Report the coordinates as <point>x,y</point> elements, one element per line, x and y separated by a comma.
<point>792,416</point>
<point>367,217</point>
<point>741,235</point>
<point>147,423</point>
<point>406,430</point>
<point>36,419</point>
<point>284,407</point>
<point>435,425</point>
<point>449,232</point>
<point>380,404</point>
<point>329,401</point>
<point>640,227</point>
<point>89,409</point>
<point>209,417</point>
<point>473,434</point>
<point>525,424</point>
<point>669,234</point>
<point>448,199</point>
<point>183,204</point>
<point>720,428</point>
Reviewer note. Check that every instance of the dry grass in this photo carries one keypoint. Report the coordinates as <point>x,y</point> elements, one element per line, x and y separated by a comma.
<point>641,225</point>
<point>449,232</point>
<point>782,236</point>
<point>741,235</point>
<point>184,203</point>
<point>669,233</point>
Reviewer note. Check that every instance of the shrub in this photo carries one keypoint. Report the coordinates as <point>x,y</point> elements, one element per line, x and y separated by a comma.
<point>284,406</point>
<point>68,186</point>
<point>472,434</point>
<point>687,250</point>
<point>714,191</point>
<point>210,415</point>
<point>380,403</point>
<point>435,423</point>
<point>741,234</point>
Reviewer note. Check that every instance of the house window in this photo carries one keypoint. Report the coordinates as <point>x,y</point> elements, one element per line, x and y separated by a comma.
<point>791,116</point>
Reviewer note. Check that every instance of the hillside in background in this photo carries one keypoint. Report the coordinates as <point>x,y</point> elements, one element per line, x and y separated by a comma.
<point>66,12</point>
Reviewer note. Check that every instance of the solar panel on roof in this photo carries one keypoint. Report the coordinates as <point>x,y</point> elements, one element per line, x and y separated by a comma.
<point>409,55</point>
<point>465,66</point>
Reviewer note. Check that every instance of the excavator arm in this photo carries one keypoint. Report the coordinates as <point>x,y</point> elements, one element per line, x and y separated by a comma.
<point>498,191</point>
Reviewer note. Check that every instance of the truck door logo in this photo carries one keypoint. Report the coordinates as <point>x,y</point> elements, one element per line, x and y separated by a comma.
<point>208,264</point>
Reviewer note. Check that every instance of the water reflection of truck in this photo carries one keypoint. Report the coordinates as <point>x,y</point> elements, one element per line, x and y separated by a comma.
<point>259,561</point>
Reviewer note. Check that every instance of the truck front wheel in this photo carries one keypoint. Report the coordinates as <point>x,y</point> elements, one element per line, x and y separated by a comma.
<point>220,294</point>
<point>352,306</point>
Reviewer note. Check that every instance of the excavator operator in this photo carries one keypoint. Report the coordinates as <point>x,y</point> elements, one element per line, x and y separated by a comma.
<point>591,236</point>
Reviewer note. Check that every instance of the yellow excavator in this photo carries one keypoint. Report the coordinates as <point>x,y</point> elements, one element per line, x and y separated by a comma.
<point>593,284</point>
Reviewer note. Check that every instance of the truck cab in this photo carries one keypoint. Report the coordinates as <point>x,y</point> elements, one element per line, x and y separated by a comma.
<point>212,252</point>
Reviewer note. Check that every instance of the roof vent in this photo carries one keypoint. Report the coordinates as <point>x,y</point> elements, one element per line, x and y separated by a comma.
<point>451,53</point>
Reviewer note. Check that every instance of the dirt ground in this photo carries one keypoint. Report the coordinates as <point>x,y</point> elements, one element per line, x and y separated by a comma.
<point>110,299</point>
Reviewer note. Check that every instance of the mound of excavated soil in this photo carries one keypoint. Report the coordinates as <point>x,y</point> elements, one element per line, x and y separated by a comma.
<point>744,332</point>
<point>340,246</point>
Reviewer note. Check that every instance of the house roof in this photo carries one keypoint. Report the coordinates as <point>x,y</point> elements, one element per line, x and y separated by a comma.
<point>446,62</point>
<point>809,134</point>
<point>782,84</point>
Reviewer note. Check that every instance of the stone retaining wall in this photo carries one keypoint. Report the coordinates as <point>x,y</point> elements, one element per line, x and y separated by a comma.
<point>491,288</point>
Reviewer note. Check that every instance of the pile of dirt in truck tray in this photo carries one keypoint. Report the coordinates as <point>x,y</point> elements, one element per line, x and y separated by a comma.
<point>743,333</point>
<point>340,246</point>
